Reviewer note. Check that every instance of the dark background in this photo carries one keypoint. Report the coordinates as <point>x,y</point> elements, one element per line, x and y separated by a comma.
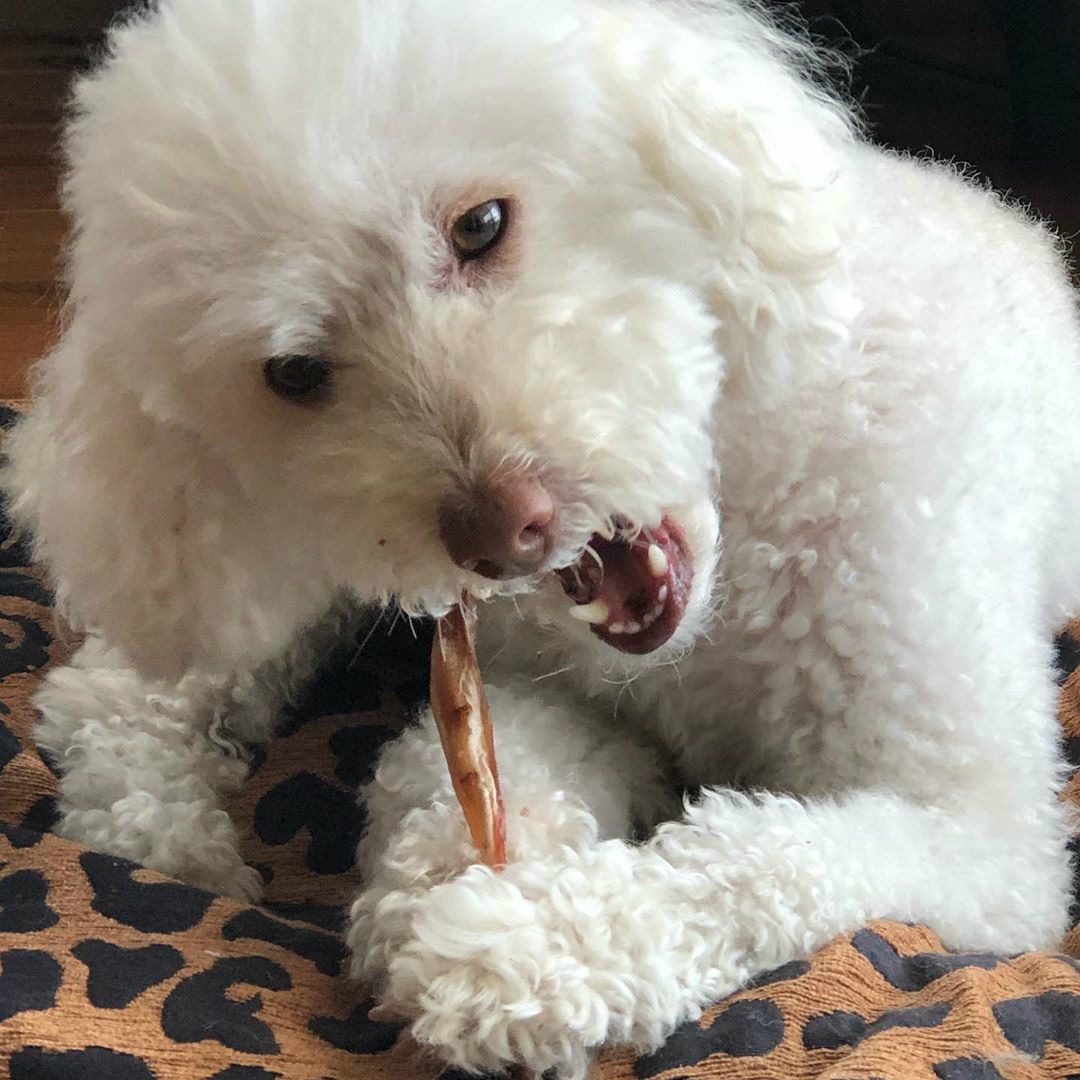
<point>995,83</point>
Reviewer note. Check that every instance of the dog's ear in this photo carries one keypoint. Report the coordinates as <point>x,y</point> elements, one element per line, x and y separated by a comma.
<point>146,534</point>
<point>726,114</point>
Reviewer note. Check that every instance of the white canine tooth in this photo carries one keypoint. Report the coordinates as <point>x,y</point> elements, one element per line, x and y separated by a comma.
<point>617,628</point>
<point>658,563</point>
<point>594,613</point>
<point>661,597</point>
<point>631,628</point>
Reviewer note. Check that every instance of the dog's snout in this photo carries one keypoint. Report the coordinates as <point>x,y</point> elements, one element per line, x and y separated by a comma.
<point>505,528</point>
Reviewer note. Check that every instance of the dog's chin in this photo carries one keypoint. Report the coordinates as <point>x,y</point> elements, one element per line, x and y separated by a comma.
<point>438,601</point>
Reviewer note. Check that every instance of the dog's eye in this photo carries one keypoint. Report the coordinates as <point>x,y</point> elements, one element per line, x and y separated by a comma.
<point>478,230</point>
<point>298,378</point>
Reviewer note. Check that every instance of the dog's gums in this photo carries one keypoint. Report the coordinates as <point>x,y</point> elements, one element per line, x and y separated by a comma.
<point>632,592</point>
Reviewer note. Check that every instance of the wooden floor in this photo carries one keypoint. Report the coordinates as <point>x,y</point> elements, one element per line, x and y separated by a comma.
<point>35,72</point>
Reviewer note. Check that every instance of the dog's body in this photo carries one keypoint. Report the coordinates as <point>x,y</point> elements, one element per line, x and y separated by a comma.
<point>840,386</point>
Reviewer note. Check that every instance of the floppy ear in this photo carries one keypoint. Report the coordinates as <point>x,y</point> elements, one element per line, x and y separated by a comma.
<point>725,117</point>
<point>146,533</point>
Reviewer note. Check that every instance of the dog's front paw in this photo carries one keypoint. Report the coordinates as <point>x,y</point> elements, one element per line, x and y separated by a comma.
<point>492,975</point>
<point>191,842</point>
<point>535,965</point>
<point>242,882</point>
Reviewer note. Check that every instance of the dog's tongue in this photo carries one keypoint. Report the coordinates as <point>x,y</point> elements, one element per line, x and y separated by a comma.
<point>635,592</point>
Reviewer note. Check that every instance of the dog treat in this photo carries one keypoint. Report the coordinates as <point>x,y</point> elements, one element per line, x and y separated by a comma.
<point>461,712</point>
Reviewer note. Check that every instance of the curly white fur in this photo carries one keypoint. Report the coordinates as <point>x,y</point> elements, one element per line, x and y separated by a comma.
<point>852,377</point>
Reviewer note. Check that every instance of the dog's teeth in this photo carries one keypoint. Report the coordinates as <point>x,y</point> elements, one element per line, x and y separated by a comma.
<point>657,609</point>
<point>652,614</point>
<point>632,628</point>
<point>595,613</point>
<point>658,563</point>
<point>617,628</point>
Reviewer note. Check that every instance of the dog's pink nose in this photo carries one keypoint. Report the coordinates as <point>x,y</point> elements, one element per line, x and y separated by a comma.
<point>505,529</point>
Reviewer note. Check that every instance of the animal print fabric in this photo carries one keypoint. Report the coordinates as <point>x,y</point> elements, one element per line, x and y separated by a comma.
<point>112,972</point>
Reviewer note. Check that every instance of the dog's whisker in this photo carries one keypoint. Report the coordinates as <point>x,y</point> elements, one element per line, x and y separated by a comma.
<point>367,637</point>
<point>553,674</point>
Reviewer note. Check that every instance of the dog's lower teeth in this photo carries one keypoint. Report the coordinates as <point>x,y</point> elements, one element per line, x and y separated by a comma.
<point>594,613</point>
<point>658,563</point>
<point>654,612</point>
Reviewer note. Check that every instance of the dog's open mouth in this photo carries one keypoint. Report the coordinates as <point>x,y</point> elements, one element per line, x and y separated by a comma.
<point>632,592</point>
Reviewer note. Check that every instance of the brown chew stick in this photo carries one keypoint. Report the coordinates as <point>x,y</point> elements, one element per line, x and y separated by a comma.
<point>461,713</point>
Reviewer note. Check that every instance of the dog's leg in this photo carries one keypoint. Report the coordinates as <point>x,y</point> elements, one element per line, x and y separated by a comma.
<point>561,954</point>
<point>570,781</point>
<point>581,941</point>
<point>143,767</point>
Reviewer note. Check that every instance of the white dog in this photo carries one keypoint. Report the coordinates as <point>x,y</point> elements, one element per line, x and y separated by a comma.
<point>762,444</point>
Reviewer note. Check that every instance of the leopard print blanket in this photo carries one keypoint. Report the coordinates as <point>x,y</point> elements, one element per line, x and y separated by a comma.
<point>112,972</point>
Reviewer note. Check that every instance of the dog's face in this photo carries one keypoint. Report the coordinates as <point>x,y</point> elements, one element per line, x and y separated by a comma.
<point>401,268</point>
